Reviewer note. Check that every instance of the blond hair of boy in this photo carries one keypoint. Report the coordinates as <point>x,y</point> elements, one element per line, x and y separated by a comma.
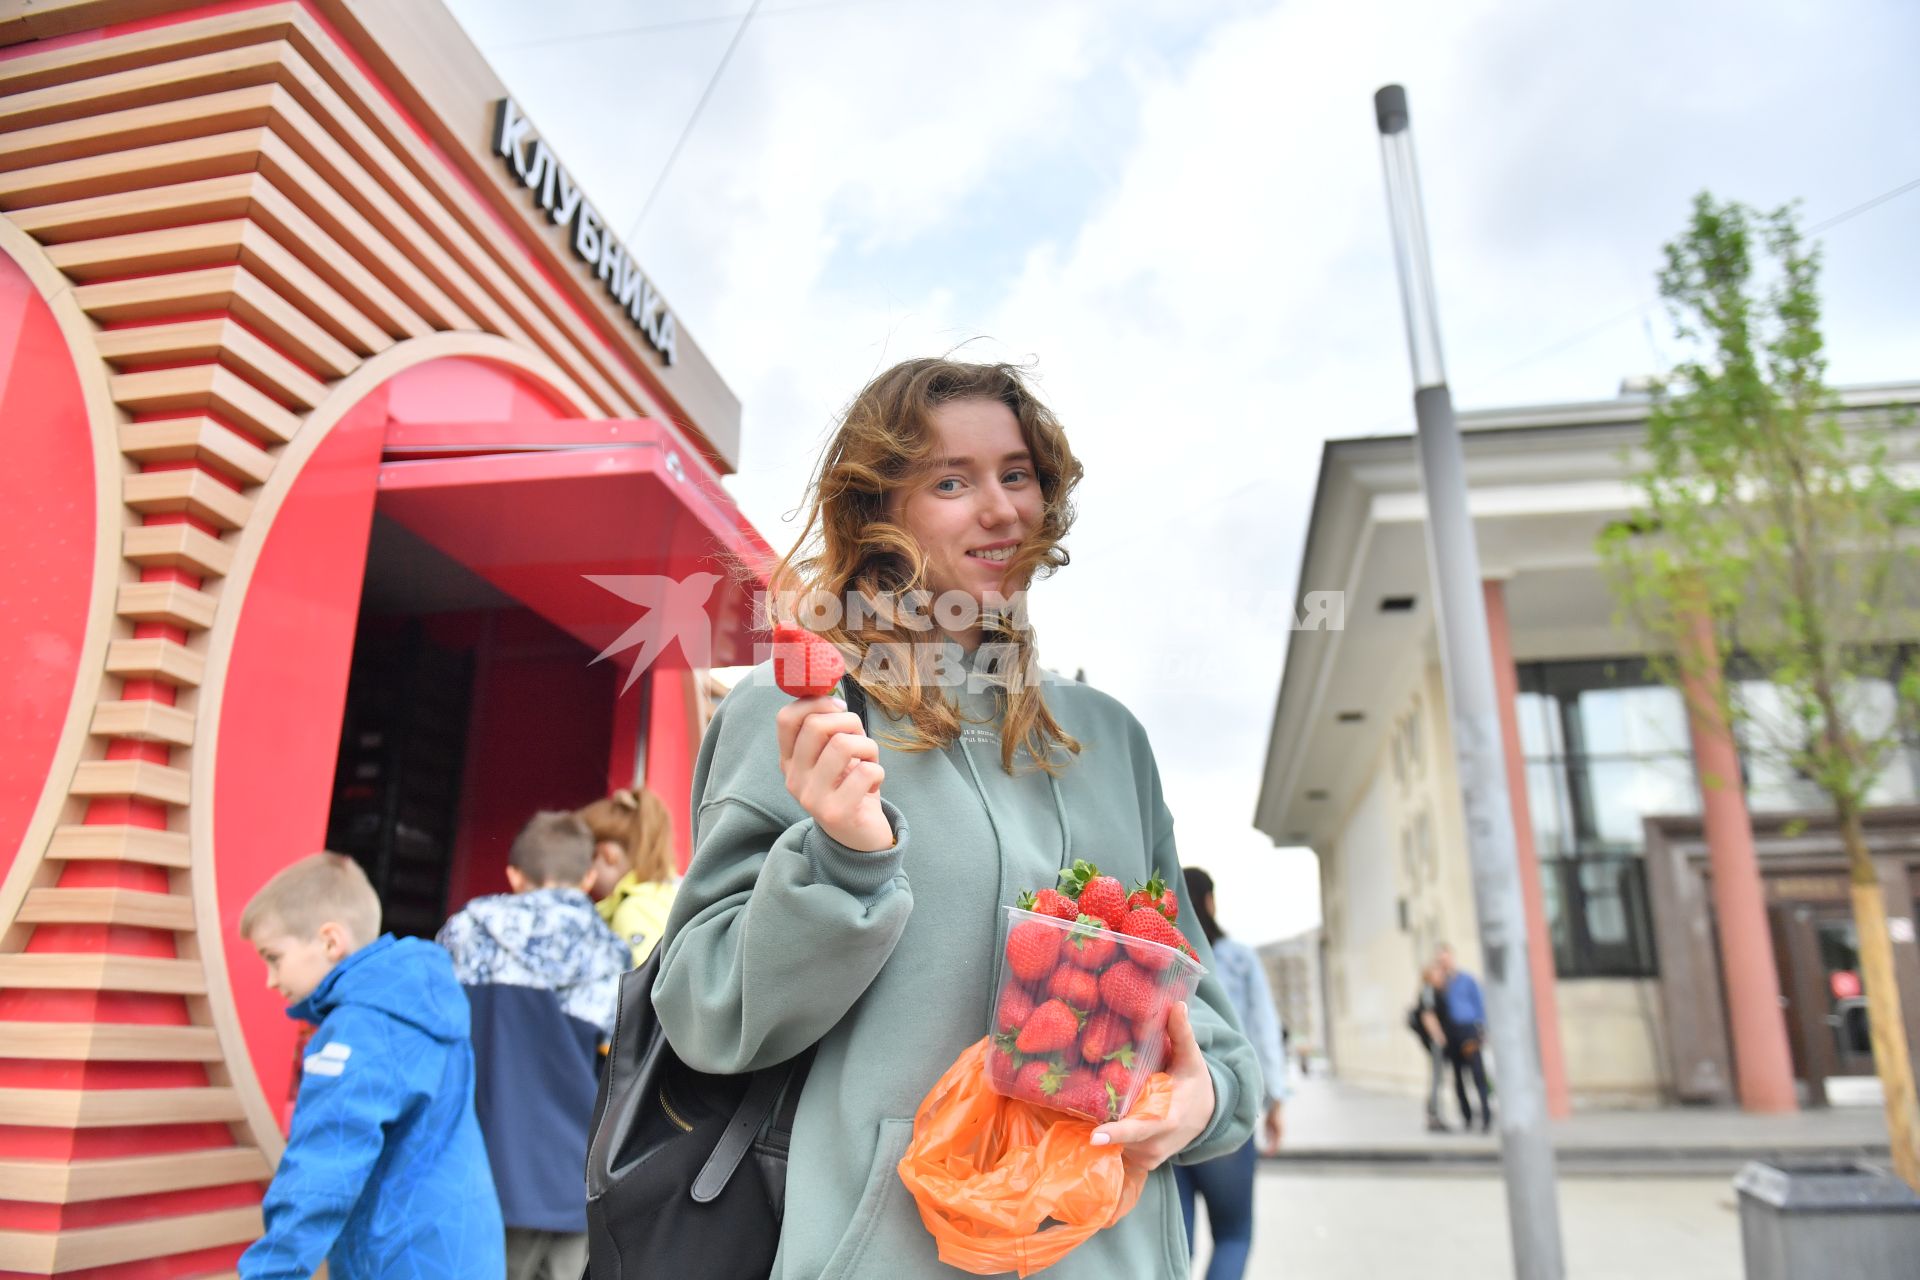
<point>309,917</point>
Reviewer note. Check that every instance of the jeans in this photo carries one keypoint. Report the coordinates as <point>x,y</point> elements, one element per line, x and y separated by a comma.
<point>1469,1061</point>
<point>1436,1079</point>
<point>1227,1186</point>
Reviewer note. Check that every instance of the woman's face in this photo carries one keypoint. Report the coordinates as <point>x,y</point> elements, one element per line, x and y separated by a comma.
<point>980,501</point>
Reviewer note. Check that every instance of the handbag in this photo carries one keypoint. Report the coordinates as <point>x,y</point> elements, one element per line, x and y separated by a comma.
<point>687,1171</point>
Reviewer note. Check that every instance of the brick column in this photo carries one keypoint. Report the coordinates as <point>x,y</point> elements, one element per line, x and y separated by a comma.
<point>1762,1062</point>
<point>1546,1003</point>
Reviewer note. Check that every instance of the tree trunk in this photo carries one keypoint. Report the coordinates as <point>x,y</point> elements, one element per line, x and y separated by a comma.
<point>1886,1022</point>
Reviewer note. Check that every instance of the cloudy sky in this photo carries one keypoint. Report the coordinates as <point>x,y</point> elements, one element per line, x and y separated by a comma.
<point>1174,210</point>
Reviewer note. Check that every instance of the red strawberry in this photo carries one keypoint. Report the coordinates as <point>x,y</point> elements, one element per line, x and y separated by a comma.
<point>1107,1035</point>
<point>1038,1082</point>
<point>1149,925</point>
<point>1150,1035</point>
<point>1092,944</point>
<point>1098,895</point>
<point>1076,986</point>
<point>1129,990</point>
<point>1032,950</point>
<point>1154,893</point>
<point>804,664</point>
<point>1003,1068</point>
<point>1053,1026</point>
<point>1082,1092</point>
<point>1016,1006</point>
<point>1050,902</point>
<point>1117,1080</point>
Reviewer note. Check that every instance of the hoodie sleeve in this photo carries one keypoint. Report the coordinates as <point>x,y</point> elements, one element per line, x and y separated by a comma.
<point>1216,1027</point>
<point>778,928</point>
<point>350,1089</point>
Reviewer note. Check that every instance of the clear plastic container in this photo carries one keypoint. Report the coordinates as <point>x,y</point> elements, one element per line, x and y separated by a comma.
<point>1080,1020</point>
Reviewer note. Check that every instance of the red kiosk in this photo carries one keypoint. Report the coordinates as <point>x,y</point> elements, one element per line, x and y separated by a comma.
<point>346,448</point>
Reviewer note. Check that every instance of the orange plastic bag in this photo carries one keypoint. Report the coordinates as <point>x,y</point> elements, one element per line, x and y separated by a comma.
<point>1005,1185</point>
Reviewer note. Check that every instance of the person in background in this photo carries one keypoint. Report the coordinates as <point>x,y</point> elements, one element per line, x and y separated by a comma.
<point>1226,1183</point>
<point>1466,1025</point>
<point>633,880</point>
<point>542,973</point>
<point>1427,1021</point>
<point>384,1160</point>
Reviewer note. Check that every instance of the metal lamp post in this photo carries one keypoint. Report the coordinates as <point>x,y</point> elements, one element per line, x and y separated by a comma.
<point>1533,1209</point>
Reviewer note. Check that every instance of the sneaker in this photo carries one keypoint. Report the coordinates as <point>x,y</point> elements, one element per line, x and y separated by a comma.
<point>1436,1125</point>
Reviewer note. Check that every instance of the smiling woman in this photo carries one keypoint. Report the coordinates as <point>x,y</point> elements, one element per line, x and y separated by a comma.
<point>804,926</point>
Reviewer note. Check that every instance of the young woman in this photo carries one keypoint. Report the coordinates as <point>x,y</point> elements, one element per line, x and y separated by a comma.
<point>1226,1184</point>
<point>845,889</point>
<point>633,880</point>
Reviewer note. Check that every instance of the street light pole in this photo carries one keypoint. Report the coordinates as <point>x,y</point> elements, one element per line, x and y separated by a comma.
<point>1526,1151</point>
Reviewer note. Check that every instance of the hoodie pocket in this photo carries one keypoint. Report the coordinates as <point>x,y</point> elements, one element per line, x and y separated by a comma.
<point>878,1201</point>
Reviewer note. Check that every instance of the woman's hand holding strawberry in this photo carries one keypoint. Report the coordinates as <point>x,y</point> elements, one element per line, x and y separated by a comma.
<point>1151,1143</point>
<point>833,769</point>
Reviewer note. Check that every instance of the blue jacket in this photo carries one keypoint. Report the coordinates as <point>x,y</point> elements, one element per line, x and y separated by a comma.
<point>384,1174</point>
<point>542,973</point>
<point>1466,1009</point>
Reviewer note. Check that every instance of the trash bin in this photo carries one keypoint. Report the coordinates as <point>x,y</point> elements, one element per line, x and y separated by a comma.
<point>1820,1220</point>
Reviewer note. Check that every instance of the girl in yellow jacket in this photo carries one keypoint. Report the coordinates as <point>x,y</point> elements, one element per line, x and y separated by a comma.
<point>633,873</point>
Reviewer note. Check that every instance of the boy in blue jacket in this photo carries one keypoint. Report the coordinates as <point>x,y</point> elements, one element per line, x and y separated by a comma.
<point>384,1174</point>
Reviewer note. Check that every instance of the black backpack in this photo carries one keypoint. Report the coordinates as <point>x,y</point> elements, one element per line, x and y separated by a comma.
<point>687,1172</point>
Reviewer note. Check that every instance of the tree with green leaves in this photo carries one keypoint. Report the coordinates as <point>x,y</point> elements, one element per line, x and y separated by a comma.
<point>1774,532</point>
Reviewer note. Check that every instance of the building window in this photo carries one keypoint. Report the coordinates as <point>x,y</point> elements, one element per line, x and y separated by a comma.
<point>1874,708</point>
<point>1606,745</point>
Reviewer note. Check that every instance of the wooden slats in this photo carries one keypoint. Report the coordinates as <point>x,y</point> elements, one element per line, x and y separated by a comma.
<point>177,546</point>
<point>143,252</point>
<point>134,779</point>
<point>144,720</point>
<point>122,212</point>
<point>95,971</point>
<point>197,439</point>
<point>163,660</point>
<point>173,603</point>
<point>80,1248</point>
<point>187,490</point>
<point>105,906</point>
<point>326,253</point>
<point>104,842</point>
<point>107,1042</point>
<point>206,386</point>
<point>37,68</point>
<point>208,73</point>
<point>55,1182</point>
<point>156,125</point>
<point>130,170</point>
<point>217,339</point>
<point>228,288</point>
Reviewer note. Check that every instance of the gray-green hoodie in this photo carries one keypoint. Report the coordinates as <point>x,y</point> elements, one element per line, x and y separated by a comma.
<point>782,937</point>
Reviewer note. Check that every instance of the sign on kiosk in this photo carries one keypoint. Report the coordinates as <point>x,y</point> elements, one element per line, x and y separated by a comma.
<point>535,167</point>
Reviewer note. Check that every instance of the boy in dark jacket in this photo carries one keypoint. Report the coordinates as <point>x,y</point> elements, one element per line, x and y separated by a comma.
<point>542,973</point>
<point>384,1173</point>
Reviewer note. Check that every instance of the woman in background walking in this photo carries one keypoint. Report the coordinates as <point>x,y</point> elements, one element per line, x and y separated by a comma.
<point>1226,1184</point>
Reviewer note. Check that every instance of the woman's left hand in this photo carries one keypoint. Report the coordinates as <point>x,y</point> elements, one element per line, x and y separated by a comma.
<point>1151,1143</point>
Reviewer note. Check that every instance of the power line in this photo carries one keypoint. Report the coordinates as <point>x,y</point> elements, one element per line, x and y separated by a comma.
<point>693,119</point>
<point>673,24</point>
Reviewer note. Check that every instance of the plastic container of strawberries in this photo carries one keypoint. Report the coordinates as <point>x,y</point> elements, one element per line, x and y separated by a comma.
<point>1080,1021</point>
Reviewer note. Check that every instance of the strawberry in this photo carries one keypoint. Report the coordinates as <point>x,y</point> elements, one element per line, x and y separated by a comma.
<point>1148,925</point>
<point>1016,1006</point>
<point>1117,1080</point>
<point>1129,990</point>
<point>1107,1035</point>
<point>804,664</point>
<point>1092,944</point>
<point>1032,950</point>
<point>1053,1026</point>
<point>1038,1082</point>
<point>1082,1092</point>
<point>1050,902</point>
<point>1154,893</point>
<point>1003,1066</point>
<point>1150,1034</point>
<point>1077,987</point>
<point>1098,895</point>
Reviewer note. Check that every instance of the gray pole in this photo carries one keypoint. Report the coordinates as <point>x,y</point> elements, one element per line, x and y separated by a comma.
<point>1526,1150</point>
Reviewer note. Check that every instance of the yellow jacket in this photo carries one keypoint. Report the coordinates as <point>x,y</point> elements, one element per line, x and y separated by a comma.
<point>637,911</point>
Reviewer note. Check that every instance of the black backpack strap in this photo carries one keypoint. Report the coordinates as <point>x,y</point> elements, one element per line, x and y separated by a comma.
<point>771,1087</point>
